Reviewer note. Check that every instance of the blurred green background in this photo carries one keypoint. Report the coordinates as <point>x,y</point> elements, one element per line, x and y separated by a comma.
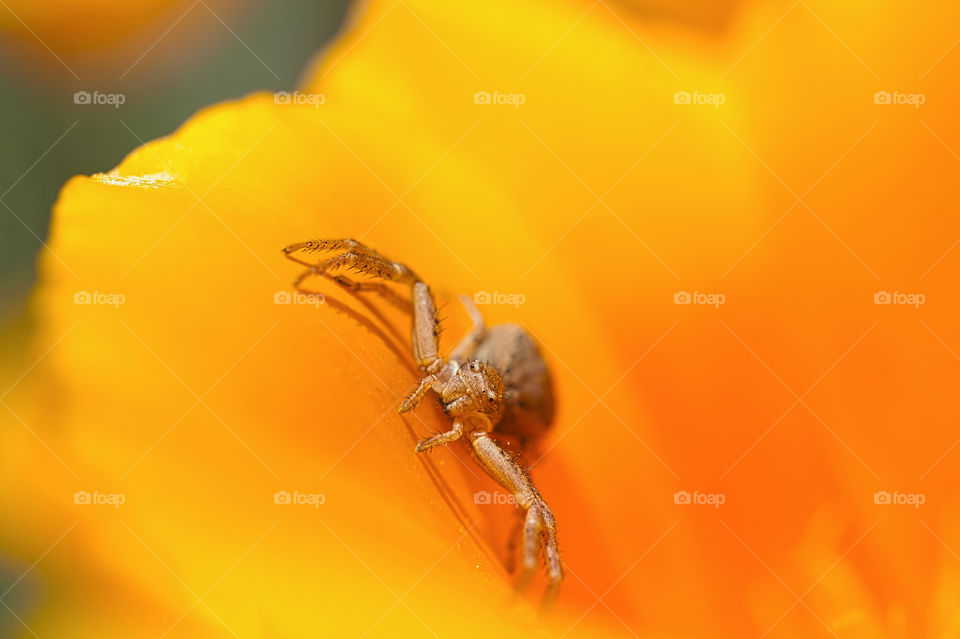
<point>45,138</point>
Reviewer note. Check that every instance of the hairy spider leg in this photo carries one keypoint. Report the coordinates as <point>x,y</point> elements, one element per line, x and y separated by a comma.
<point>465,348</point>
<point>362,258</point>
<point>540,528</point>
<point>379,288</point>
<point>451,435</point>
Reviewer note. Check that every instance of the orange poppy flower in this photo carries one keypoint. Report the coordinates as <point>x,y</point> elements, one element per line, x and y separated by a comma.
<point>740,273</point>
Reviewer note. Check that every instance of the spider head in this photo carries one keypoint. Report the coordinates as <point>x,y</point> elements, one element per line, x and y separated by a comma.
<point>478,388</point>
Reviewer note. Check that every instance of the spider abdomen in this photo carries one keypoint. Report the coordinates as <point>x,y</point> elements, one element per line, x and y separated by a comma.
<point>528,403</point>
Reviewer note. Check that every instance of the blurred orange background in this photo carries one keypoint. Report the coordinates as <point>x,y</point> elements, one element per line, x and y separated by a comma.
<point>789,168</point>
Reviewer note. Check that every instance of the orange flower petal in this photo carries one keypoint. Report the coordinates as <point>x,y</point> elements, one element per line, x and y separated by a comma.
<point>597,199</point>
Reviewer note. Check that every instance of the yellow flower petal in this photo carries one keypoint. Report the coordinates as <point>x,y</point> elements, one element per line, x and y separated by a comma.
<point>581,185</point>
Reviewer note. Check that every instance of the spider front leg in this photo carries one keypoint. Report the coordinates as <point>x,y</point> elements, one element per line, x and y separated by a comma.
<point>379,288</point>
<point>451,435</point>
<point>411,401</point>
<point>425,348</point>
<point>362,258</point>
<point>356,255</point>
<point>539,526</point>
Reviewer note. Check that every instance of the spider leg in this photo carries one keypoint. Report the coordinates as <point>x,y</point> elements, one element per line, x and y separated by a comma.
<point>426,329</point>
<point>355,254</point>
<point>451,435</point>
<point>373,265</point>
<point>515,533</point>
<point>539,528</point>
<point>416,396</point>
<point>313,246</point>
<point>359,257</point>
<point>375,287</point>
<point>468,344</point>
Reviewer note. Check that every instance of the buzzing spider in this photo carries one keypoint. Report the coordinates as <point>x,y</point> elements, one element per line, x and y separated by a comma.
<point>494,380</point>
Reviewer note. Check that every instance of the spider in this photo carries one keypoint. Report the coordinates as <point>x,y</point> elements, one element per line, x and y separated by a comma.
<point>493,381</point>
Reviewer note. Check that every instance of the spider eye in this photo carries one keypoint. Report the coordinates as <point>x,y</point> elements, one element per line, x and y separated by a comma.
<point>475,366</point>
<point>491,398</point>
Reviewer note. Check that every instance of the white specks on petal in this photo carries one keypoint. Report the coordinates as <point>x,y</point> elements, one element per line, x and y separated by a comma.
<point>152,181</point>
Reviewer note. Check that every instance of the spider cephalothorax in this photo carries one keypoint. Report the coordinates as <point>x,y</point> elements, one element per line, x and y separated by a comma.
<point>475,388</point>
<point>494,380</point>
<point>466,391</point>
